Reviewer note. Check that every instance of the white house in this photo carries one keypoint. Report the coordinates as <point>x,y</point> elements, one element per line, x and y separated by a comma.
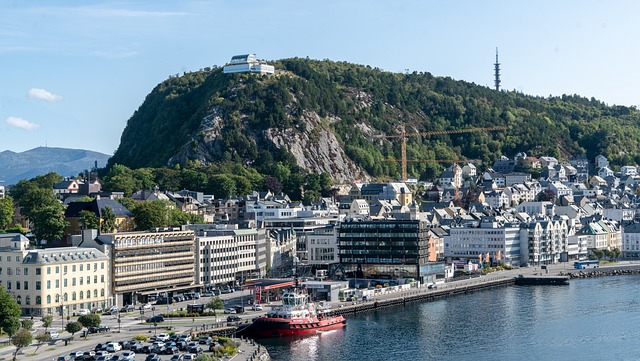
<point>629,170</point>
<point>605,172</point>
<point>469,170</point>
<point>601,161</point>
<point>631,241</point>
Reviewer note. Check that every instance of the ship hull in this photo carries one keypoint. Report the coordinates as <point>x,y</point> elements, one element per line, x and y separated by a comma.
<point>277,327</point>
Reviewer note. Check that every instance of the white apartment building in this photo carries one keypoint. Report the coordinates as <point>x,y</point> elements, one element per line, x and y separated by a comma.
<point>48,281</point>
<point>544,241</point>
<point>322,246</point>
<point>491,241</point>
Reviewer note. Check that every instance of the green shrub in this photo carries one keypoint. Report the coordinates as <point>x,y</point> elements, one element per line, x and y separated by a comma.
<point>142,338</point>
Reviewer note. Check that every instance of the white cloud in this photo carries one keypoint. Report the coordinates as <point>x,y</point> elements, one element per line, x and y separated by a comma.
<point>42,94</point>
<point>22,123</point>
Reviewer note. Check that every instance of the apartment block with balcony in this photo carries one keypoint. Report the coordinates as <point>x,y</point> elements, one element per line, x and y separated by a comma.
<point>48,281</point>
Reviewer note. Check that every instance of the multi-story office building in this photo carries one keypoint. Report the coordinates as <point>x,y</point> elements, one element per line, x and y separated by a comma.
<point>384,249</point>
<point>323,246</point>
<point>227,256</point>
<point>47,281</point>
<point>146,263</point>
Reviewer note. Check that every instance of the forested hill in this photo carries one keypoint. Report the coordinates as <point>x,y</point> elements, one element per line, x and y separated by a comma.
<point>320,116</point>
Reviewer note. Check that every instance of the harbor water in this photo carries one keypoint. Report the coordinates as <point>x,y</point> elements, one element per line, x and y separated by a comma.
<point>591,319</point>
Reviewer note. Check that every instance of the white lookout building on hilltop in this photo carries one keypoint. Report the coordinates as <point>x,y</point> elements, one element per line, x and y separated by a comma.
<point>247,63</point>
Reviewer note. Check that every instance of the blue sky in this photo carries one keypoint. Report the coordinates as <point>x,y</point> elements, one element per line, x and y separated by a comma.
<point>73,72</point>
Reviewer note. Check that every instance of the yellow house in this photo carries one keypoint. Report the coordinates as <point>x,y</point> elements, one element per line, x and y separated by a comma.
<point>123,217</point>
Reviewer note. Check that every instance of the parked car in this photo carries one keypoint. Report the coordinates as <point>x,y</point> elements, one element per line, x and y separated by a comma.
<point>127,356</point>
<point>103,358</point>
<point>147,349</point>
<point>229,310</point>
<point>150,356</point>
<point>101,353</point>
<point>257,307</point>
<point>432,286</point>
<point>177,357</point>
<point>204,340</point>
<point>207,294</point>
<point>66,358</point>
<point>171,350</point>
<point>184,337</point>
<point>53,334</point>
<point>113,347</point>
<point>76,355</point>
<point>188,357</point>
<point>182,345</point>
<point>157,318</point>
<point>127,308</point>
<point>162,337</point>
<point>83,312</point>
<point>100,347</point>
<point>233,318</point>
<point>102,328</point>
<point>196,296</point>
<point>88,355</point>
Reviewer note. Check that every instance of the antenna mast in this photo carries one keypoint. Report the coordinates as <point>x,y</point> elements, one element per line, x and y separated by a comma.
<point>497,71</point>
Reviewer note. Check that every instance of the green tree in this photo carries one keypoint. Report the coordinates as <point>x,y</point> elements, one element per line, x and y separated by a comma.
<point>48,223</point>
<point>91,320</point>
<point>27,324</point>
<point>89,220</point>
<point>6,211</point>
<point>21,339</point>
<point>47,321</point>
<point>215,304</point>
<point>73,327</point>
<point>221,186</point>
<point>42,338</point>
<point>151,214</point>
<point>9,312</point>
<point>108,220</point>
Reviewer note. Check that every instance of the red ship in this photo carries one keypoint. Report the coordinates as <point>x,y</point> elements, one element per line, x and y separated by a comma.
<point>295,317</point>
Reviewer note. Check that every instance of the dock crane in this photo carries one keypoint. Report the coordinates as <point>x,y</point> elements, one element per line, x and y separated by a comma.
<point>404,135</point>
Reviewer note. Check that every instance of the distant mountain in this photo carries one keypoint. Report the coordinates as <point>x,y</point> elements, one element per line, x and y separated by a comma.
<point>42,160</point>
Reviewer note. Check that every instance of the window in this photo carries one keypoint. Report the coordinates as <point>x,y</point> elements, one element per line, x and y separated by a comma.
<point>57,298</point>
<point>48,270</point>
<point>73,296</point>
<point>81,295</point>
<point>9,258</point>
<point>18,271</point>
<point>9,273</point>
<point>73,268</point>
<point>48,285</point>
<point>38,271</point>
<point>101,278</point>
<point>102,292</point>
<point>95,267</point>
<point>48,299</point>
<point>28,300</point>
<point>81,280</point>
<point>57,269</point>
<point>73,281</point>
<point>38,300</point>
<point>81,267</point>
<point>19,300</point>
<point>38,286</point>
<point>17,285</point>
<point>101,264</point>
<point>57,283</point>
<point>95,293</point>
<point>95,279</point>
<point>64,282</point>
<point>26,285</point>
<point>65,297</point>
<point>26,271</point>
<point>88,294</point>
<point>64,269</point>
<point>88,280</point>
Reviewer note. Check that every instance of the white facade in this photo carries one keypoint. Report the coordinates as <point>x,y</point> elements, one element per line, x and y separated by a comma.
<point>501,243</point>
<point>46,281</point>
<point>322,246</point>
<point>631,241</point>
<point>629,170</point>
<point>247,63</point>
<point>469,170</point>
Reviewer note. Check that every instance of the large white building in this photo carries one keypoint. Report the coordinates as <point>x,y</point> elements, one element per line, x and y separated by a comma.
<point>491,241</point>
<point>322,246</point>
<point>247,63</point>
<point>47,281</point>
<point>631,241</point>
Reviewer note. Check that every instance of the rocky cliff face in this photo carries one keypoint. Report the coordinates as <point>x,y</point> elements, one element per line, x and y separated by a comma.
<point>312,143</point>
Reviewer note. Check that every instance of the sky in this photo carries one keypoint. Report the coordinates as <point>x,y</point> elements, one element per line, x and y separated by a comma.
<point>73,72</point>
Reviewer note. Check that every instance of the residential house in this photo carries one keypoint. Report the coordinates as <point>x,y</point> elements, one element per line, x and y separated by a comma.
<point>601,161</point>
<point>123,218</point>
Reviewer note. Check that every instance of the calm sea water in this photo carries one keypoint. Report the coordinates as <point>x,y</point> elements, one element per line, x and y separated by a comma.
<point>592,319</point>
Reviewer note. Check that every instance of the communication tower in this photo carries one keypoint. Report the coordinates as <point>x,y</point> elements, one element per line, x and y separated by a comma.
<point>497,71</point>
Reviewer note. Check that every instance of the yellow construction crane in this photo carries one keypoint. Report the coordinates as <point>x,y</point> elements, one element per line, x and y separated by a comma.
<point>404,136</point>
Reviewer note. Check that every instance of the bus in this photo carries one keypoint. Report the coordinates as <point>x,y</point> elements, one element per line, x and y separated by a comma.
<point>589,263</point>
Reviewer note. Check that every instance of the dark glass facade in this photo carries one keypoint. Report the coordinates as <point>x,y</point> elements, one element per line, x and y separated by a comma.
<point>383,249</point>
